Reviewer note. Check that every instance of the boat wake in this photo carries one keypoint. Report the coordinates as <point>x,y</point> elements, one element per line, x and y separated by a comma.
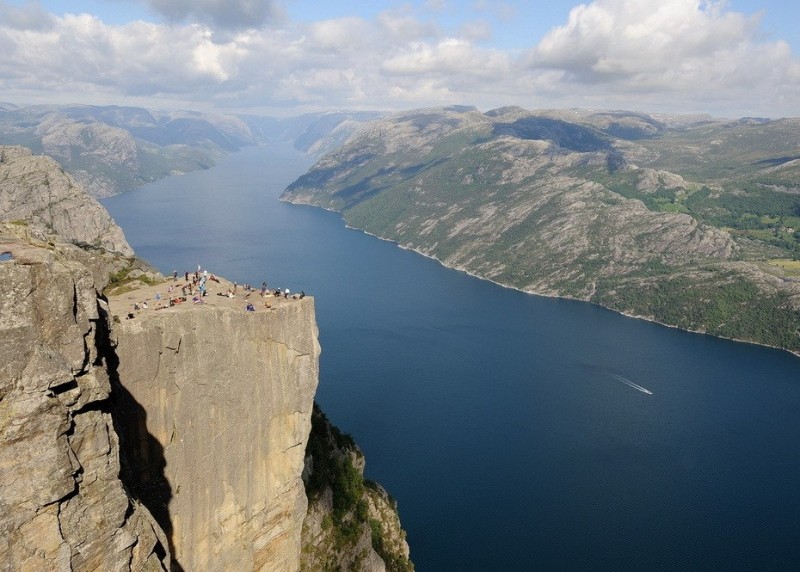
<point>629,383</point>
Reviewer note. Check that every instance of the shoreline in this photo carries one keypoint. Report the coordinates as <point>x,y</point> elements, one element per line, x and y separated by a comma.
<point>540,294</point>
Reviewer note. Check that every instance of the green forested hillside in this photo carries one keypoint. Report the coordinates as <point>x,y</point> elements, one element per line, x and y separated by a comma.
<point>693,222</point>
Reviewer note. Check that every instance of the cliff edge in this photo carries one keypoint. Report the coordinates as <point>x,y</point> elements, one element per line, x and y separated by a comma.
<point>36,190</point>
<point>62,505</point>
<point>224,411</point>
<point>149,431</point>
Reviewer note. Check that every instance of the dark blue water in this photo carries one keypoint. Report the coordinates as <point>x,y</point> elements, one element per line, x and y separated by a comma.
<point>508,426</point>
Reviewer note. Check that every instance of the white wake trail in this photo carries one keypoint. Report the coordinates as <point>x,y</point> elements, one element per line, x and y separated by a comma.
<point>629,383</point>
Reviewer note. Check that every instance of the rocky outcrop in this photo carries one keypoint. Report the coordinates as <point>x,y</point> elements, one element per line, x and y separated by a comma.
<point>35,189</point>
<point>62,504</point>
<point>219,402</point>
<point>352,523</point>
<point>173,440</point>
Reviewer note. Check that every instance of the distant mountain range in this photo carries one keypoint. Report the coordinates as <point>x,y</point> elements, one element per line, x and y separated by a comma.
<point>687,220</point>
<point>112,149</point>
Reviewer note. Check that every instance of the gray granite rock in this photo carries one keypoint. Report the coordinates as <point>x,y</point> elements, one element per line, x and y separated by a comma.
<point>35,189</point>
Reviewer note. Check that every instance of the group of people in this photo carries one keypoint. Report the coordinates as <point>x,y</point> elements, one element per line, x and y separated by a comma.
<point>196,287</point>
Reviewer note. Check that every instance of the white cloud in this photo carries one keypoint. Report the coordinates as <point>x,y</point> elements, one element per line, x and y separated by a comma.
<point>340,35</point>
<point>447,57</point>
<point>684,50</point>
<point>671,55</point>
<point>476,31</point>
<point>612,37</point>
<point>27,17</point>
<point>398,26</point>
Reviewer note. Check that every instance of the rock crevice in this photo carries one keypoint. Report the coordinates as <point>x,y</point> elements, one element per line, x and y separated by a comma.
<point>62,505</point>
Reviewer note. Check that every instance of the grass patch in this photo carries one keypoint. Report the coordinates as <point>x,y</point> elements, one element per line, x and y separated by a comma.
<point>129,279</point>
<point>790,267</point>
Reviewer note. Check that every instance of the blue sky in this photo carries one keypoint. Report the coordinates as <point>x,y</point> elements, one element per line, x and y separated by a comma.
<point>726,58</point>
<point>531,18</point>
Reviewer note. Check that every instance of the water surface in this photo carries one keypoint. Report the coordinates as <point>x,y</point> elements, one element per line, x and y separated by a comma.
<point>516,432</point>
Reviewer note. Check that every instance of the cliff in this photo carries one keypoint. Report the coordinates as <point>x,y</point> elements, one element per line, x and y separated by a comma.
<point>352,523</point>
<point>35,189</point>
<point>167,438</point>
<point>223,411</point>
<point>62,504</point>
<point>227,448</point>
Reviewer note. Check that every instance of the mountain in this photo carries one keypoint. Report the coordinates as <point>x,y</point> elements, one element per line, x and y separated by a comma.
<point>689,221</point>
<point>111,149</point>
<point>312,133</point>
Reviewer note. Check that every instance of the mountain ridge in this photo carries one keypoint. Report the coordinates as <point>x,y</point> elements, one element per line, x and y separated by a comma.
<point>112,149</point>
<point>588,205</point>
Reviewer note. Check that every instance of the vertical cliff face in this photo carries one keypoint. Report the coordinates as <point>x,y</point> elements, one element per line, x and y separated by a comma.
<point>224,410</point>
<point>157,440</point>
<point>62,505</point>
<point>175,439</point>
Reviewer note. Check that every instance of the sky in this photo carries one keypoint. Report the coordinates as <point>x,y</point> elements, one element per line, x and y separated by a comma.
<point>726,58</point>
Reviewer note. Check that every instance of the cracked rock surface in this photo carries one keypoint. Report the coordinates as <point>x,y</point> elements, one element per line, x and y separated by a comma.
<point>35,189</point>
<point>62,504</point>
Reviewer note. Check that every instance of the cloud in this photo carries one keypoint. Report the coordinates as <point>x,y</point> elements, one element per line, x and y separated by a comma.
<point>476,31</point>
<point>340,35</point>
<point>609,38</point>
<point>83,55</point>
<point>449,57</point>
<point>225,14</point>
<point>686,49</point>
<point>30,16</point>
<point>399,26</point>
<point>677,55</point>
